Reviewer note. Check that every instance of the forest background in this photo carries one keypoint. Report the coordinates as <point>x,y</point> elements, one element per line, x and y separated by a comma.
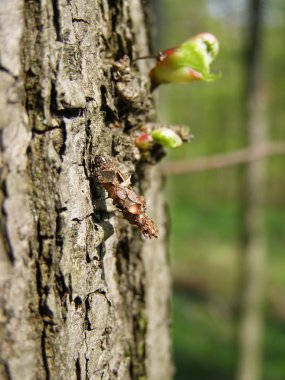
<point>206,206</point>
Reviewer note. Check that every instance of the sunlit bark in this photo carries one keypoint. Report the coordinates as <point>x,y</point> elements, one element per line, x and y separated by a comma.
<point>83,296</point>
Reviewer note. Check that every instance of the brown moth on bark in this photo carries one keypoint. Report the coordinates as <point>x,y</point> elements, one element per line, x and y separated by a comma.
<point>131,205</point>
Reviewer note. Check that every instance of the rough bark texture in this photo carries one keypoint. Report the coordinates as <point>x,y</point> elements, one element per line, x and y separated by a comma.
<point>83,296</point>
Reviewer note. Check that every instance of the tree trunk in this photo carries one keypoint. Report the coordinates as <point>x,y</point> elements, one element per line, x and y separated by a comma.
<point>83,296</point>
<point>254,241</point>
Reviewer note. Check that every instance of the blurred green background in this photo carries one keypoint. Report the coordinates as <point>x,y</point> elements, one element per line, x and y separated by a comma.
<point>205,207</point>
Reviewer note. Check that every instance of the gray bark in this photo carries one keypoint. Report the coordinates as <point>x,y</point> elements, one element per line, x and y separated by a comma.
<point>82,295</point>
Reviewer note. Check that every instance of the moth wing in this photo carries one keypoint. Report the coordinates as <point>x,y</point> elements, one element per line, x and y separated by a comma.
<point>107,176</point>
<point>121,193</point>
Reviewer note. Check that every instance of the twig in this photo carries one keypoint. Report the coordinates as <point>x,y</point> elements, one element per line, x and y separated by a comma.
<point>220,161</point>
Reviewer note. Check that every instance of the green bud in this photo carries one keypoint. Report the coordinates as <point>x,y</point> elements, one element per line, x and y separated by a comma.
<point>208,44</point>
<point>188,62</point>
<point>166,137</point>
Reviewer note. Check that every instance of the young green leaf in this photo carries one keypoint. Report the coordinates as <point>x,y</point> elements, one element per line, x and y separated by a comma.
<point>188,62</point>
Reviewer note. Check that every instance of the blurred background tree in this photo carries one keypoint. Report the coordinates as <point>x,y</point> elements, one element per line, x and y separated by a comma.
<point>209,237</point>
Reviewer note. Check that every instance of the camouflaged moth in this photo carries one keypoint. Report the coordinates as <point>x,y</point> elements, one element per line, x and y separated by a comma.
<point>131,205</point>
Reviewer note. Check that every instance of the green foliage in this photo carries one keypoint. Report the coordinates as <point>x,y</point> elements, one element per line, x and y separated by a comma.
<point>204,253</point>
<point>274,350</point>
<point>204,207</point>
<point>202,343</point>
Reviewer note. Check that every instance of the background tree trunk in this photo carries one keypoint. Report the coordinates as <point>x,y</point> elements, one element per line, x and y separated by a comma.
<point>73,304</point>
<point>254,247</point>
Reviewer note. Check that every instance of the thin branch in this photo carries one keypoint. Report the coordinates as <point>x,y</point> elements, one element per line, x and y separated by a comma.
<point>220,161</point>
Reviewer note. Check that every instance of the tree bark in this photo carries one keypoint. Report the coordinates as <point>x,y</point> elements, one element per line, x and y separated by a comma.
<point>83,296</point>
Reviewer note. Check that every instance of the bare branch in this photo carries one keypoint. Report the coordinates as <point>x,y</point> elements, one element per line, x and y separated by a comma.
<point>220,161</point>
